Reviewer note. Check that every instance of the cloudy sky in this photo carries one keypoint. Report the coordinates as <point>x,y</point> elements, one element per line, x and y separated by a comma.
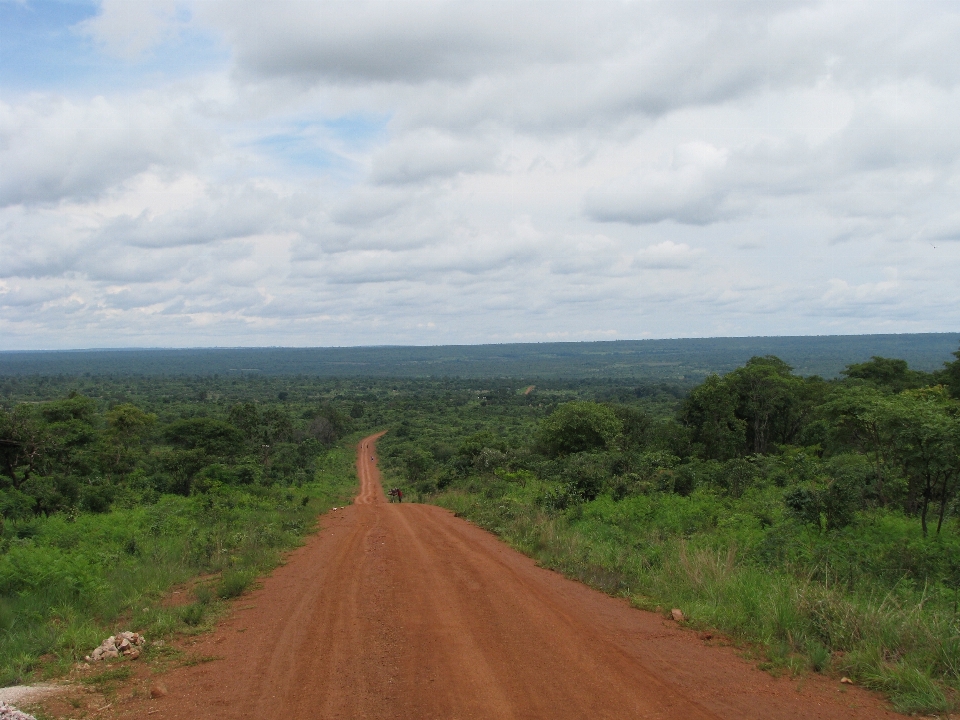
<point>306,173</point>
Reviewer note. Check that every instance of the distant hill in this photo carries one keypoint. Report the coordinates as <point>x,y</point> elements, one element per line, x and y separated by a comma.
<point>677,360</point>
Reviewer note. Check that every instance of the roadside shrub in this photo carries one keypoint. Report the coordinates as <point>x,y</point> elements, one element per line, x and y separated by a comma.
<point>234,582</point>
<point>586,474</point>
<point>193,614</point>
<point>559,497</point>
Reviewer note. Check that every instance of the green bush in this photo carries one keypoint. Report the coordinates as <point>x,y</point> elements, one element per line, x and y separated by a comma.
<point>580,427</point>
<point>234,583</point>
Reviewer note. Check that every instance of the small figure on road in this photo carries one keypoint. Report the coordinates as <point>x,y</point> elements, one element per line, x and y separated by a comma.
<point>396,493</point>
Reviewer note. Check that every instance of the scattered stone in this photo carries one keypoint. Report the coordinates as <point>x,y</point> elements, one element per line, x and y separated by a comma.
<point>706,636</point>
<point>126,643</point>
<point>158,690</point>
<point>677,615</point>
<point>9,712</point>
<point>846,681</point>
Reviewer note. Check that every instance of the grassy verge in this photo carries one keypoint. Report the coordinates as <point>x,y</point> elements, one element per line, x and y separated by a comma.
<point>801,606</point>
<point>68,582</point>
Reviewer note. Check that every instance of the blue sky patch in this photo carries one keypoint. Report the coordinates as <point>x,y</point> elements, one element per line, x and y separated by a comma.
<point>43,49</point>
<point>325,145</point>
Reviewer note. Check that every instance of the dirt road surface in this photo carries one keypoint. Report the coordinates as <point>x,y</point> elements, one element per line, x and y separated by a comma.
<point>405,611</point>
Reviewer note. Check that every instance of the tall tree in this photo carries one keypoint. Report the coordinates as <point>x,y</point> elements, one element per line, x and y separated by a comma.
<point>926,442</point>
<point>950,376</point>
<point>579,426</point>
<point>889,373</point>
<point>767,393</point>
<point>710,411</point>
<point>860,417</point>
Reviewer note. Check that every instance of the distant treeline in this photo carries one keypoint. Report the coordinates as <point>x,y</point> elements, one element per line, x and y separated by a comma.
<point>683,360</point>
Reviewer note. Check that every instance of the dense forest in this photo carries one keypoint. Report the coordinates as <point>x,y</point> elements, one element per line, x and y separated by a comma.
<point>685,359</point>
<point>816,520</point>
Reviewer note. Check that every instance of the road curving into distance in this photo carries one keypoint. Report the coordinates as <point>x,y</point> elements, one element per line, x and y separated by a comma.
<point>405,611</point>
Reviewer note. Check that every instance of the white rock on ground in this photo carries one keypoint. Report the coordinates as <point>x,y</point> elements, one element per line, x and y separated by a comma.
<point>126,643</point>
<point>27,693</point>
<point>9,712</point>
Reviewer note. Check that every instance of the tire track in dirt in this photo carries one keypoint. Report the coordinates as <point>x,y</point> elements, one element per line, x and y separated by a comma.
<point>405,611</point>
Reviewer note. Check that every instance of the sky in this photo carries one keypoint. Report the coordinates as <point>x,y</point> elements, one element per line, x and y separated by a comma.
<point>195,174</point>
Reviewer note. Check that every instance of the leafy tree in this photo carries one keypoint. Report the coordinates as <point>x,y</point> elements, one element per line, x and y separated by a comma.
<point>73,432</point>
<point>830,496</point>
<point>888,373</point>
<point>51,493</point>
<point>586,474</point>
<point>328,424</point>
<point>711,413</point>
<point>73,408</point>
<point>24,443</point>
<point>738,475</point>
<point>416,464</point>
<point>861,419</point>
<point>636,425</point>
<point>579,427</point>
<point>213,437</point>
<point>276,426</point>
<point>767,394</point>
<point>246,418</point>
<point>127,425</point>
<point>473,445</point>
<point>174,469</point>
<point>322,430</point>
<point>950,376</point>
<point>751,409</point>
<point>926,443</point>
<point>805,504</point>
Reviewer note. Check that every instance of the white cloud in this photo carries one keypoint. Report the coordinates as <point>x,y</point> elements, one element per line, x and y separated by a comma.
<point>844,296</point>
<point>412,42</point>
<point>428,154</point>
<point>666,255</point>
<point>690,190</point>
<point>126,29</point>
<point>355,172</point>
<point>53,148</point>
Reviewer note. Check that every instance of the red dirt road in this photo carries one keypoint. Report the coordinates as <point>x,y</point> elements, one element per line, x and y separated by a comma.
<point>405,611</point>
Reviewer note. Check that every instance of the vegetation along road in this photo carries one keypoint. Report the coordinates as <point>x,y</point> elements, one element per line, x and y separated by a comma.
<point>406,611</point>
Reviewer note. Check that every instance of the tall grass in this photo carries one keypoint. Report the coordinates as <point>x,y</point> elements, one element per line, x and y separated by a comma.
<point>67,582</point>
<point>898,637</point>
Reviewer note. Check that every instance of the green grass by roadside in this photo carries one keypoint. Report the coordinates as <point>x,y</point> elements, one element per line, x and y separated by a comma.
<point>799,610</point>
<point>68,582</point>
